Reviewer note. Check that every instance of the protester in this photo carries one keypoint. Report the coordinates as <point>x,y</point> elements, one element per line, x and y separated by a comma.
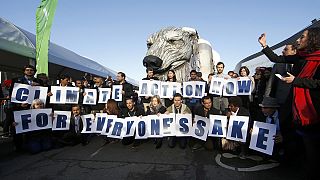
<point>130,111</point>
<point>235,108</point>
<point>40,140</point>
<point>171,77</point>
<point>192,103</point>
<point>275,87</point>
<point>305,80</point>
<point>205,110</point>
<point>28,78</point>
<point>127,88</point>
<point>156,108</point>
<point>150,76</point>
<point>220,102</point>
<point>178,108</point>
<point>244,72</point>
<point>111,108</point>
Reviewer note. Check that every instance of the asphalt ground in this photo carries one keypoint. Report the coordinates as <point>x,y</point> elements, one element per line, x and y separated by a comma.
<point>98,160</point>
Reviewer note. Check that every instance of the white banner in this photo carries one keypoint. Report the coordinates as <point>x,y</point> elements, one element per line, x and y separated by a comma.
<point>262,137</point>
<point>61,120</point>
<point>117,92</point>
<point>24,93</point>
<point>104,95</point>
<point>169,89</point>
<point>90,96</point>
<point>32,120</point>
<point>238,128</point>
<point>169,124</point>
<point>230,87</point>
<point>200,128</point>
<point>218,126</point>
<point>183,125</point>
<point>194,89</point>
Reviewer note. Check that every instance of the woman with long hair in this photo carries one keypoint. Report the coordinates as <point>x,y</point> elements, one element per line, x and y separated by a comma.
<point>244,72</point>
<point>156,108</point>
<point>111,108</point>
<point>171,77</point>
<point>305,97</point>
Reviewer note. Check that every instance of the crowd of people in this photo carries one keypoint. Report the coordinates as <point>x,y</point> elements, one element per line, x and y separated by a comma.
<point>290,102</point>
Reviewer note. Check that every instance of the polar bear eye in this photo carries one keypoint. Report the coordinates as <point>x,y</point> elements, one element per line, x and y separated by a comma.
<point>149,44</point>
<point>174,41</point>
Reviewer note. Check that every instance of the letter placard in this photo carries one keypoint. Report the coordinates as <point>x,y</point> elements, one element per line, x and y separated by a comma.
<point>130,125</point>
<point>230,87</point>
<point>87,121</point>
<point>61,120</point>
<point>104,95</point>
<point>200,128</point>
<point>116,129</point>
<point>99,122</point>
<point>218,126</point>
<point>33,119</point>
<point>90,97</point>
<point>244,86</point>
<point>168,124</point>
<point>141,128</point>
<point>262,137</point>
<point>183,125</point>
<point>238,128</point>
<point>216,86</point>
<point>144,89</point>
<point>72,95</point>
<point>107,127</point>
<point>154,126</point>
<point>194,89</point>
<point>117,92</point>
<point>23,93</point>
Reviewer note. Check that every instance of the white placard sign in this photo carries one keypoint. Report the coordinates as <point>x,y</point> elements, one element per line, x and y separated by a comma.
<point>33,119</point>
<point>230,87</point>
<point>169,124</point>
<point>262,137</point>
<point>218,126</point>
<point>200,127</point>
<point>117,92</point>
<point>194,89</point>
<point>104,95</point>
<point>90,96</point>
<point>24,93</point>
<point>238,128</point>
<point>183,125</point>
<point>61,120</point>
<point>244,86</point>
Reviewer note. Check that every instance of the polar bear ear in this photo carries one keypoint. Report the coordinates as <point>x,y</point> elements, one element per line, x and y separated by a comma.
<point>193,33</point>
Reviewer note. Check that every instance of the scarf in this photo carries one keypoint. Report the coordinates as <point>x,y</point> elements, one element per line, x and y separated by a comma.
<point>303,108</point>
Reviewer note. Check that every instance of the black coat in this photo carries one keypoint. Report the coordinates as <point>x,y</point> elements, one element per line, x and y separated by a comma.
<point>312,84</point>
<point>162,110</point>
<point>277,88</point>
<point>137,111</point>
<point>200,111</point>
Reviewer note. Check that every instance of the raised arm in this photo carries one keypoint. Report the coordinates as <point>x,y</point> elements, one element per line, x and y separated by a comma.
<point>274,57</point>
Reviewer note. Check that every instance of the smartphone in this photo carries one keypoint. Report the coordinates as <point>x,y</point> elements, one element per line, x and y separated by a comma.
<point>279,76</point>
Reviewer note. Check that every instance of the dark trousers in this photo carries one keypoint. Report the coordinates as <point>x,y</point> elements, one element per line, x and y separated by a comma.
<point>312,156</point>
<point>172,141</point>
<point>38,144</point>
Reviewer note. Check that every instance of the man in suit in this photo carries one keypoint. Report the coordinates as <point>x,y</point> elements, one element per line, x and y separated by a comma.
<point>27,78</point>
<point>275,87</point>
<point>74,135</point>
<point>235,108</point>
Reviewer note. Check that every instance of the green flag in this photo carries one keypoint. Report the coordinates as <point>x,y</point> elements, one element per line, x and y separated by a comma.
<point>44,18</point>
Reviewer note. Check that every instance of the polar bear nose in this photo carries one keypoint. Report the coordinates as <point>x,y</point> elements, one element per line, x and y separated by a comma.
<point>152,61</point>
